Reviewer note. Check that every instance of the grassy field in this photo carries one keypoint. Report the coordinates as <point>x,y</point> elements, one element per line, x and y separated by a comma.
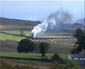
<point>12,37</point>
<point>82,67</point>
<point>30,55</point>
<point>24,55</point>
<point>61,46</point>
<point>28,33</point>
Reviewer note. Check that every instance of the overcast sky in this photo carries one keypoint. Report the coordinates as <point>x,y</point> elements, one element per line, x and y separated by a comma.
<point>39,9</point>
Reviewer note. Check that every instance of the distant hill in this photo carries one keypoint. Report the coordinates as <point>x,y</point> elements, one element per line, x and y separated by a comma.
<point>80,21</point>
<point>17,22</point>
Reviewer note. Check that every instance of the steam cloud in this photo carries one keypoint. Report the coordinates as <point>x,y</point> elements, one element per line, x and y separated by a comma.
<point>54,22</point>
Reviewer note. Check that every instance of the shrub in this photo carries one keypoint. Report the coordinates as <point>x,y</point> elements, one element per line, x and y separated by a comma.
<point>5,64</point>
<point>25,46</point>
<point>70,64</point>
<point>55,57</point>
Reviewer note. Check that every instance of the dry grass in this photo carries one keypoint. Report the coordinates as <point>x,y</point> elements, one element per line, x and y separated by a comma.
<point>41,65</point>
<point>63,46</point>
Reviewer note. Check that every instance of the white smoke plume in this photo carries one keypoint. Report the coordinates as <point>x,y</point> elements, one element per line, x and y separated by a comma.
<point>40,28</point>
<point>54,22</point>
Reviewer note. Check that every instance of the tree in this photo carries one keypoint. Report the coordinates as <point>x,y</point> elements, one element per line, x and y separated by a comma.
<point>25,46</point>
<point>43,48</point>
<point>80,44</point>
<point>57,58</point>
<point>78,34</point>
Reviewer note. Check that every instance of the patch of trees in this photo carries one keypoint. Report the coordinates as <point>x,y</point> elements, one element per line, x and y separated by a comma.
<point>80,43</point>
<point>26,45</point>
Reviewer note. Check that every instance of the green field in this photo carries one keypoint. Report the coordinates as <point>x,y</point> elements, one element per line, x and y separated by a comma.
<point>12,37</point>
<point>24,55</point>
<point>82,67</point>
<point>30,55</point>
<point>61,46</point>
<point>28,33</point>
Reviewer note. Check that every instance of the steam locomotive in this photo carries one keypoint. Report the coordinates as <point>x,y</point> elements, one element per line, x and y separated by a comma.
<point>51,37</point>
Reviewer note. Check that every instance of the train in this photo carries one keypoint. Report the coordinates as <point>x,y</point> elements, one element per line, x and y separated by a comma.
<point>51,37</point>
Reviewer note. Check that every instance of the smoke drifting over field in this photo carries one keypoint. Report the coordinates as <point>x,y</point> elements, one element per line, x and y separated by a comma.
<point>55,22</point>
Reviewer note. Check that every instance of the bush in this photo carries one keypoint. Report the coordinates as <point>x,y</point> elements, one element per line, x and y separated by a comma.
<point>70,64</point>
<point>57,58</point>
<point>5,64</point>
<point>25,46</point>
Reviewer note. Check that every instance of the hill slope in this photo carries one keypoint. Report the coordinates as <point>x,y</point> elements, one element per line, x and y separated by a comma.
<point>16,24</point>
<point>7,21</point>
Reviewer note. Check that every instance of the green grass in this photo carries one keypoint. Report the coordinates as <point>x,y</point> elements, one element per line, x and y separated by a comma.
<point>17,27</point>
<point>82,67</point>
<point>24,55</point>
<point>28,33</point>
<point>30,55</point>
<point>13,31</point>
<point>64,56</point>
<point>6,36</point>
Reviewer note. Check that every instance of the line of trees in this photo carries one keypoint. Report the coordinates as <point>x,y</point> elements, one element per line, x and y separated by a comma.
<point>26,46</point>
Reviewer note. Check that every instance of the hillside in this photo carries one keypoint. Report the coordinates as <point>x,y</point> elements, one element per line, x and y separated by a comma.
<point>7,21</point>
<point>17,24</point>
